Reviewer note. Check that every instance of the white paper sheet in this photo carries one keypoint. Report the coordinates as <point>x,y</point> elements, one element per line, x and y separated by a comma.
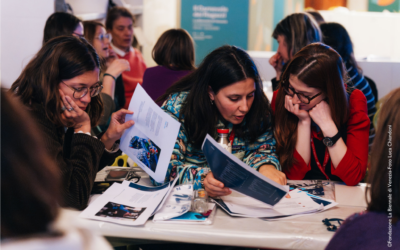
<point>127,205</point>
<point>178,202</point>
<point>151,140</point>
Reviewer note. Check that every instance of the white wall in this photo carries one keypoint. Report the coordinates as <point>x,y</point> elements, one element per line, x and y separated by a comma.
<point>371,32</point>
<point>22,24</point>
<point>158,16</point>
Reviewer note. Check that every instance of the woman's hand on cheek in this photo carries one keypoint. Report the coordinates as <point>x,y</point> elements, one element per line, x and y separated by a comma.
<point>321,115</point>
<point>117,127</point>
<point>276,62</point>
<point>214,187</point>
<point>303,115</point>
<point>72,114</point>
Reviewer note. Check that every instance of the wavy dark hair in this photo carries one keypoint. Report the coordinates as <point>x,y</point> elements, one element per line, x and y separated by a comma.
<point>60,24</point>
<point>222,67</point>
<point>61,58</point>
<point>318,66</point>
<point>386,150</point>
<point>175,50</point>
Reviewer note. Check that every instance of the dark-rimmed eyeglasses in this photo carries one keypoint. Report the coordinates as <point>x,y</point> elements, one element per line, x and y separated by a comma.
<point>101,37</point>
<point>304,99</point>
<point>82,91</point>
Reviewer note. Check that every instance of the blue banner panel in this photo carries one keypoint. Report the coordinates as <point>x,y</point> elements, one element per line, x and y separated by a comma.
<point>213,23</point>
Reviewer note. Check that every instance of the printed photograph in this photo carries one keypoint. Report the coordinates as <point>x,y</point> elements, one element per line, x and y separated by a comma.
<point>115,210</point>
<point>145,150</point>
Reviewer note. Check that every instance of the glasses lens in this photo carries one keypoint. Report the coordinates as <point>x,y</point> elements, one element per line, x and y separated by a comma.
<point>303,99</point>
<point>289,91</point>
<point>95,91</point>
<point>80,93</point>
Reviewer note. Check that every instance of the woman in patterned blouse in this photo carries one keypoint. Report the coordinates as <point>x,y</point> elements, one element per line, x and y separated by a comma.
<point>225,91</point>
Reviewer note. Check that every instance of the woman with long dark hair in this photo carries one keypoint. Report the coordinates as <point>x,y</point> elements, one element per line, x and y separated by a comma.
<point>379,225</point>
<point>224,91</point>
<point>321,125</point>
<point>60,85</point>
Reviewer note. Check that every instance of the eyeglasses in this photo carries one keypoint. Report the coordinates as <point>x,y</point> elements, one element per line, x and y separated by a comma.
<point>81,92</point>
<point>101,37</point>
<point>304,99</point>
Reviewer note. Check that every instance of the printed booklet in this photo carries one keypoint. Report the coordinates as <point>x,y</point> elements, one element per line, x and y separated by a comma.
<point>151,140</point>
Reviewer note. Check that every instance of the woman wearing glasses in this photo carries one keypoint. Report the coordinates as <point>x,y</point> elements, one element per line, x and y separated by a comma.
<point>60,86</point>
<point>321,125</point>
<point>111,69</point>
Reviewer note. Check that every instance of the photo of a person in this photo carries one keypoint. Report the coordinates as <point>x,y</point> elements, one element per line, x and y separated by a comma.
<point>116,210</point>
<point>145,150</point>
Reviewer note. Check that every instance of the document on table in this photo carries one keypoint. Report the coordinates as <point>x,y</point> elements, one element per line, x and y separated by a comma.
<point>128,203</point>
<point>238,176</point>
<point>295,203</point>
<point>151,140</point>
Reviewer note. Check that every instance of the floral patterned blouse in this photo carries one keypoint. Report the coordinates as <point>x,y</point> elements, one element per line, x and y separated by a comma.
<point>189,163</point>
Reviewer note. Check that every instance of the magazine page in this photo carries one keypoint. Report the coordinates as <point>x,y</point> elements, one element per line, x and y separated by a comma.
<point>126,204</point>
<point>151,140</point>
<point>239,176</point>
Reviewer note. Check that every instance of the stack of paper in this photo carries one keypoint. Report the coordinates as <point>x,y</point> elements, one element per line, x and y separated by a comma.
<point>295,203</point>
<point>128,203</point>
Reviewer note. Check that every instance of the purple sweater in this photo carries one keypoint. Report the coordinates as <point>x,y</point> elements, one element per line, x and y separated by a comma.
<point>367,230</point>
<point>157,80</point>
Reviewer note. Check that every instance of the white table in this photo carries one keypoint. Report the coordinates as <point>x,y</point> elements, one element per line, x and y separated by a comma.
<point>303,232</point>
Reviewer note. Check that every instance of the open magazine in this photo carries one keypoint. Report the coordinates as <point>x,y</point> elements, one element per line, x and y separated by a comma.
<point>151,140</point>
<point>128,203</point>
<point>240,177</point>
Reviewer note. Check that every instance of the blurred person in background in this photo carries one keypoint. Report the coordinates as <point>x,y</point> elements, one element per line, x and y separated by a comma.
<point>111,69</point>
<point>378,227</point>
<point>62,24</point>
<point>30,190</point>
<point>119,23</point>
<point>174,54</point>
<point>336,36</point>
<point>292,34</point>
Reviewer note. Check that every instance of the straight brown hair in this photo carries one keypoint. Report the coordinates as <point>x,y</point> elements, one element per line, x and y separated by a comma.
<point>30,183</point>
<point>61,58</point>
<point>299,30</point>
<point>318,66</point>
<point>115,13</point>
<point>175,49</point>
<point>89,30</point>
<point>385,156</point>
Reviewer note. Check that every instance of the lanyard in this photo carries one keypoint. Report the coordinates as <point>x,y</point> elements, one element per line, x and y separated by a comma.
<point>326,159</point>
<point>232,136</point>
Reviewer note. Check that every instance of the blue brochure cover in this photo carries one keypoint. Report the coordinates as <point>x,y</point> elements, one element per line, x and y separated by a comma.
<point>237,175</point>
